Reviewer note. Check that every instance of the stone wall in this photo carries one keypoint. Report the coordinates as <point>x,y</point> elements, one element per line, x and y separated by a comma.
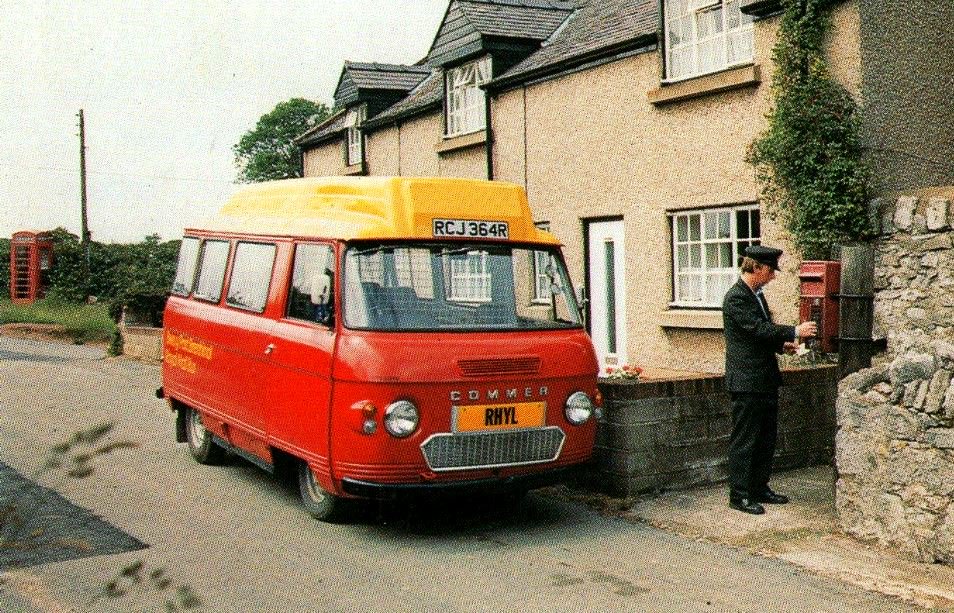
<point>895,444</point>
<point>657,435</point>
<point>142,343</point>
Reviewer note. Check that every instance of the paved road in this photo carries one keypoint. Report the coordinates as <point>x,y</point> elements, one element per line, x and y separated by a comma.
<point>238,540</point>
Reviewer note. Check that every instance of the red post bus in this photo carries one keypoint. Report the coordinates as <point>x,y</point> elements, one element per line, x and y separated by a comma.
<point>381,335</point>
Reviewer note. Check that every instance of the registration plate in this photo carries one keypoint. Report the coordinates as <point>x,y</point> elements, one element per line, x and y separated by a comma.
<point>468,228</point>
<point>500,416</point>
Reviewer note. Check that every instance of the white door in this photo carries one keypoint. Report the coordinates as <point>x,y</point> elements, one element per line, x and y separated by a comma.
<point>607,292</point>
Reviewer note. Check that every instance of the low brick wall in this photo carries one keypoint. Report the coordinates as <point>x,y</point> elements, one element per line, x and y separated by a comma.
<point>657,435</point>
<point>142,343</point>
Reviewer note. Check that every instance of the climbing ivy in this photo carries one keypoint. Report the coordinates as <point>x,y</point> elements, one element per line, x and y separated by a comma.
<point>808,162</point>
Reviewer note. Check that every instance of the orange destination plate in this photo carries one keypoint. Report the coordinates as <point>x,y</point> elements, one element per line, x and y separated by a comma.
<point>500,416</point>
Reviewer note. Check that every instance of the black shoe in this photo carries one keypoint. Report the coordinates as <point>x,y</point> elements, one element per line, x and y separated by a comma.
<point>747,506</point>
<point>770,497</point>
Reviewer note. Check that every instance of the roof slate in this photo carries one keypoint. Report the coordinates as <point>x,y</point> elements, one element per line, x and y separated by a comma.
<point>386,76</point>
<point>429,93</point>
<point>594,26</point>
<point>539,4</point>
<point>598,24</point>
<point>468,23</point>
<point>329,127</point>
<point>513,21</point>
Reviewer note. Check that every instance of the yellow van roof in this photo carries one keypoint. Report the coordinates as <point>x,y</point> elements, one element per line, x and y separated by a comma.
<point>375,208</point>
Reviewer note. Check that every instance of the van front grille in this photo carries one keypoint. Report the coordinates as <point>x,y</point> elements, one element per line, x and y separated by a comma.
<point>492,449</point>
<point>499,366</point>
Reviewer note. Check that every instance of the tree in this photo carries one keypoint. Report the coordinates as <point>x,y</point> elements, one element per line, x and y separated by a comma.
<point>268,152</point>
<point>809,162</point>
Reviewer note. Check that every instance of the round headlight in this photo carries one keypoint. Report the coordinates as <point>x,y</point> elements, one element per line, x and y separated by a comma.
<point>578,408</point>
<point>401,418</point>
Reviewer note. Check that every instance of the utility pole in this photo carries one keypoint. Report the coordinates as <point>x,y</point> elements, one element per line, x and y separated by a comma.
<point>84,238</point>
<point>84,227</point>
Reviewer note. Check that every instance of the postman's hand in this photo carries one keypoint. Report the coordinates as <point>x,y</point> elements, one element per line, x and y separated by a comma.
<point>806,329</point>
<point>790,347</point>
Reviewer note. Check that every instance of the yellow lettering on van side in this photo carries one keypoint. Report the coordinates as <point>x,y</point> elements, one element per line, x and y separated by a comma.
<point>182,362</point>
<point>187,345</point>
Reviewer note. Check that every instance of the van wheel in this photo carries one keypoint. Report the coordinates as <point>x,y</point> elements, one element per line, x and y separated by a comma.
<point>322,505</point>
<point>201,446</point>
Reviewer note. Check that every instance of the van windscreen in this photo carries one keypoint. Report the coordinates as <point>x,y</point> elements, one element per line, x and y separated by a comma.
<point>457,286</point>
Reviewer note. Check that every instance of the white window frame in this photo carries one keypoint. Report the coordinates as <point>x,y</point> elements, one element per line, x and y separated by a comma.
<point>464,100</point>
<point>469,278</point>
<point>353,120</point>
<point>702,268</point>
<point>541,282</point>
<point>692,51</point>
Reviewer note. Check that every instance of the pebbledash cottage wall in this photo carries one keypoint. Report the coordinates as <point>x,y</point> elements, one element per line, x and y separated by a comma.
<point>895,444</point>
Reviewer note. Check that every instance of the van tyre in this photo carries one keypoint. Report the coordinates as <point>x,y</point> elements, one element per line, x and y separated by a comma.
<point>322,505</point>
<point>201,445</point>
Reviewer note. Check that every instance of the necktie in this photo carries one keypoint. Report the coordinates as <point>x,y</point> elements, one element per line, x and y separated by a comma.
<point>763,304</point>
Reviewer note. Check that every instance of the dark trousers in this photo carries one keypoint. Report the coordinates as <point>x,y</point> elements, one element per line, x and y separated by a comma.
<point>752,443</point>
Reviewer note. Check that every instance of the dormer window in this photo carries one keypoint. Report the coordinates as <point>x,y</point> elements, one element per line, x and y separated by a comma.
<point>704,36</point>
<point>353,120</point>
<point>464,99</point>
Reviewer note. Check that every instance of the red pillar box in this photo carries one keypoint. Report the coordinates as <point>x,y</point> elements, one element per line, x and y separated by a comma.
<point>31,257</point>
<point>819,286</point>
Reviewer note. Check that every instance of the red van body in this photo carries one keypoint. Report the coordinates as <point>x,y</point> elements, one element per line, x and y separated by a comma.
<point>371,409</point>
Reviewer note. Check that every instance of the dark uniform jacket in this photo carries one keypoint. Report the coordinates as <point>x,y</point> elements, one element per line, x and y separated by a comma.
<point>751,342</point>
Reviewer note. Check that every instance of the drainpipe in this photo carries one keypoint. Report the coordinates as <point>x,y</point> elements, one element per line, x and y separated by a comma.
<point>489,141</point>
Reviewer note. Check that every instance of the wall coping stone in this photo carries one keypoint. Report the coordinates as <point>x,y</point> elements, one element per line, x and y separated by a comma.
<point>704,384</point>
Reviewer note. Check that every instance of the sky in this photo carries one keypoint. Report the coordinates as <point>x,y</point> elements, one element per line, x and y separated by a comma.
<point>167,87</point>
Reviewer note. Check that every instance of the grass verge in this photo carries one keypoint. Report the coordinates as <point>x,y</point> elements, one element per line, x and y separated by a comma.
<point>82,323</point>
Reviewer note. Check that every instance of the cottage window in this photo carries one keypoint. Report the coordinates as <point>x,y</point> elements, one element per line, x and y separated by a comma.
<point>353,120</point>
<point>706,247</point>
<point>704,36</point>
<point>464,102</point>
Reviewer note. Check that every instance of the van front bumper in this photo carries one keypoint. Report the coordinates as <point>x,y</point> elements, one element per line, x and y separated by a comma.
<point>389,491</point>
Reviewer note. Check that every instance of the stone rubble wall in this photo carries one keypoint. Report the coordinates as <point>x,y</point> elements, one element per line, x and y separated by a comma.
<point>894,449</point>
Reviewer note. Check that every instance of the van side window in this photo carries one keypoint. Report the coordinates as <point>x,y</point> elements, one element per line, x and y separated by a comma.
<point>309,296</point>
<point>251,276</point>
<point>185,271</point>
<point>215,255</point>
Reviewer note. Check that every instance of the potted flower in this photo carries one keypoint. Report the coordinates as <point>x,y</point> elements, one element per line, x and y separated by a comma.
<point>624,372</point>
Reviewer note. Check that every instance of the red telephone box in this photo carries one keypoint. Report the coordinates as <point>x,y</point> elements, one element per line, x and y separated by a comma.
<point>819,286</point>
<point>31,256</point>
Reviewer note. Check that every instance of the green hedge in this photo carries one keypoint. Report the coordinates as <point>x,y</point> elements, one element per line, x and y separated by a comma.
<point>136,275</point>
